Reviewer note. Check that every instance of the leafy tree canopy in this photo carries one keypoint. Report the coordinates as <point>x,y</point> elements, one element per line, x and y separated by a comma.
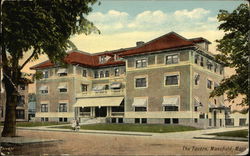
<point>40,26</point>
<point>235,51</point>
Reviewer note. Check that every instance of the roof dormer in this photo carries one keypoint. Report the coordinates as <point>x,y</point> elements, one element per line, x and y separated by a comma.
<point>201,42</point>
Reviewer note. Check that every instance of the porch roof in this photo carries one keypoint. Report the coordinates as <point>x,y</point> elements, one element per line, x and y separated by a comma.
<point>99,102</point>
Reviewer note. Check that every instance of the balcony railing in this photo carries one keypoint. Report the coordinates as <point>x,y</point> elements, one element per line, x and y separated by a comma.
<point>111,92</point>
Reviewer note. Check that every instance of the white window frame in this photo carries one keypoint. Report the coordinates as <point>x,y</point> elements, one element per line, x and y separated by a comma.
<point>171,74</point>
<point>198,83</point>
<point>140,77</point>
<point>44,103</point>
<point>209,79</point>
<point>172,54</point>
<point>66,103</point>
<point>83,72</point>
<point>178,96</point>
<point>140,59</point>
<point>44,74</point>
<point>142,97</point>
<point>40,91</point>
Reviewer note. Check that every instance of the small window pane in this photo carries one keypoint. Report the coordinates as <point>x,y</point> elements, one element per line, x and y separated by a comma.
<point>140,109</point>
<point>172,80</point>
<point>175,121</point>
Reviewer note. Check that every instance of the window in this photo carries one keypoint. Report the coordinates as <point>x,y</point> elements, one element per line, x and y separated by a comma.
<point>60,119</point>
<point>120,120</point>
<point>215,68</point>
<point>196,58</point>
<point>202,62</point>
<point>45,74</point>
<point>101,74</point>
<point>137,120</point>
<point>45,91</point>
<point>102,59</point>
<point>172,59</point>
<point>65,119</point>
<point>140,109</point>
<point>96,75</point>
<point>46,119</point>
<point>171,108</point>
<point>221,70</point>
<point>210,122</point>
<point>144,120</point>
<point>44,107</point>
<point>209,65</point>
<point>140,82</point>
<point>63,107</point>
<point>113,120</point>
<point>141,63</point>
<point>196,79</point>
<point>84,87</point>
<point>202,116</point>
<point>84,73</point>
<point>20,114</point>
<point>195,108</point>
<point>167,121</point>
<point>106,73</point>
<point>171,80</point>
<point>175,121</point>
<point>215,101</point>
<point>220,122</point>
<point>215,85</point>
<point>106,87</point>
<point>63,90</point>
<point>195,120</point>
<point>20,100</point>
<point>117,72</point>
<point>209,84</point>
<point>22,87</point>
<point>85,109</point>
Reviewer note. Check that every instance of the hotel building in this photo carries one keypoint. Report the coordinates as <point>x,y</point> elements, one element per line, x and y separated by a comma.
<point>164,81</point>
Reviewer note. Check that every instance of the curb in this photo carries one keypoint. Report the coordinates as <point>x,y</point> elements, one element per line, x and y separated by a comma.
<point>223,138</point>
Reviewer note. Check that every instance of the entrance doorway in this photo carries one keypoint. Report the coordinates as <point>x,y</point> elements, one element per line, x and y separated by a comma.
<point>100,112</point>
<point>215,118</point>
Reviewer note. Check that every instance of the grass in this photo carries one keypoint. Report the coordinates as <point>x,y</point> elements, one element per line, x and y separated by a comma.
<point>35,124</point>
<point>238,133</point>
<point>136,128</point>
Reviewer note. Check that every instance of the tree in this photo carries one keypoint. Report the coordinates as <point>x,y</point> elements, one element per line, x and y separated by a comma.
<point>235,52</point>
<point>40,26</point>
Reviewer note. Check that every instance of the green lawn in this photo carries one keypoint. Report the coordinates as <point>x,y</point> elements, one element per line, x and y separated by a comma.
<point>35,124</point>
<point>136,128</point>
<point>238,133</point>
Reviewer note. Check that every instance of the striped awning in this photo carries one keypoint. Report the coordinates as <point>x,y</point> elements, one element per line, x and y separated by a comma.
<point>62,86</point>
<point>140,102</point>
<point>170,101</point>
<point>99,102</point>
<point>115,85</point>
<point>43,88</point>
<point>62,70</point>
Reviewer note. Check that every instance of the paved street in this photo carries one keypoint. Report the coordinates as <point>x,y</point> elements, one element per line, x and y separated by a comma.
<point>75,143</point>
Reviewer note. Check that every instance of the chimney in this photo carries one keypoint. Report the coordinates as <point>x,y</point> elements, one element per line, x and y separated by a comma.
<point>139,43</point>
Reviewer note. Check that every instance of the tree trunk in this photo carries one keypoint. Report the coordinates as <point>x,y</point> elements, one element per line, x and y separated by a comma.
<point>9,129</point>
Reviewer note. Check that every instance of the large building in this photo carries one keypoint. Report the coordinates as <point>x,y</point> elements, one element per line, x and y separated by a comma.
<point>22,105</point>
<point>164,81</point>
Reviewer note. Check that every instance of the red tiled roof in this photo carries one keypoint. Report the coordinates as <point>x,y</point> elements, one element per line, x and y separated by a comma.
<point>168,41</point>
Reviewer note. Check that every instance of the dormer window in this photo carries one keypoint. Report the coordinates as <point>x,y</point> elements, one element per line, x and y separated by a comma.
<point>102,59</point>
<point>45,74</point>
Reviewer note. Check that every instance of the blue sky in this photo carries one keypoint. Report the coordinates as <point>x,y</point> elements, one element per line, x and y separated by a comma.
<point>123,22</point>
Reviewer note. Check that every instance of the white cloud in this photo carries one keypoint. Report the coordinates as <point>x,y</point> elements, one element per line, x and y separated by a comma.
<point>212,19</point>
<point>193,14</point>
<point>110,16</point>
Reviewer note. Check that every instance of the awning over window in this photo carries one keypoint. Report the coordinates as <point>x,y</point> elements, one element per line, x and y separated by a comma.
<point>99,88</point>
<point>62,70</point>
<point>62,86</point>
<point>115,85</point>
<point>43,88</point>
<point>99,102</point>
<point>170,101</point>
<point>140,102</point>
